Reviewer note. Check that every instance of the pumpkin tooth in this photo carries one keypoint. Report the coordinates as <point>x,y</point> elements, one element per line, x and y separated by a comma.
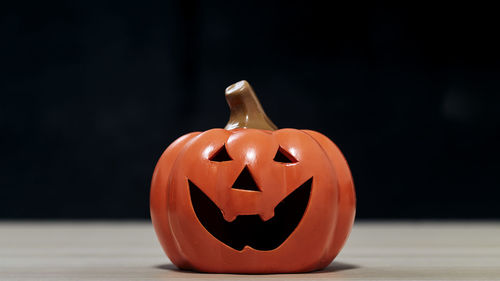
<point>229,217</point>
<point>267,215</point>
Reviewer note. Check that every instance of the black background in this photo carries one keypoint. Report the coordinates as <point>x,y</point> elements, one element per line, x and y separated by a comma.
<point>92,92</point>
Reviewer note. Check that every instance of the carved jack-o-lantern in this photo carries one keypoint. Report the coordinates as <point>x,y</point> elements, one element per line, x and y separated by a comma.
<point>250,198</point>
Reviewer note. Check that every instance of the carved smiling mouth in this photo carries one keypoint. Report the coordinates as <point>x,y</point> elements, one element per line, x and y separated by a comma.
<point>251,230</point>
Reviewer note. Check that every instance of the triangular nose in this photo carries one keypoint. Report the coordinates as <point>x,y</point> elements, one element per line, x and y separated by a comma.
<point>245,181</point>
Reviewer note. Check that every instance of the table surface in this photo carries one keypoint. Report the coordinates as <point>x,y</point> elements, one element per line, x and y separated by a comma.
<point>130,251</point>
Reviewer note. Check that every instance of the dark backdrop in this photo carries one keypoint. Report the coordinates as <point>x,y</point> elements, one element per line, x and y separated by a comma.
<point>93,92</point>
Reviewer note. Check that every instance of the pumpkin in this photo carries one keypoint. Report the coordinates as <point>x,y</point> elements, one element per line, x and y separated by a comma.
<point>250,198</point>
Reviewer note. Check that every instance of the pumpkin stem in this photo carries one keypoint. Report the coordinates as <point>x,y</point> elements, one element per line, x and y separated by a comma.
<point>246,111</point>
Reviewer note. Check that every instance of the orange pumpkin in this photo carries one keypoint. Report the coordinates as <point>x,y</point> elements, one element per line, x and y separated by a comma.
<point>250,198</point>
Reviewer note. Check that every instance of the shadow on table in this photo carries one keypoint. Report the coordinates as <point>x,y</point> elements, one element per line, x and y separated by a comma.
<point>332,268</point>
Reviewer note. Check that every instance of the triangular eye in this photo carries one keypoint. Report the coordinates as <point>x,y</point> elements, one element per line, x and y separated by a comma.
<point>220,155</point>
<point>284,157</point>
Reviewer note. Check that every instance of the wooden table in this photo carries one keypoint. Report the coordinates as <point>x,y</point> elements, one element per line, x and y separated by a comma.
<point>129,251</point>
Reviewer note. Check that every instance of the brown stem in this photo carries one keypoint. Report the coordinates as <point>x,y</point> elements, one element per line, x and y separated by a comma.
<point>246,111</point>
